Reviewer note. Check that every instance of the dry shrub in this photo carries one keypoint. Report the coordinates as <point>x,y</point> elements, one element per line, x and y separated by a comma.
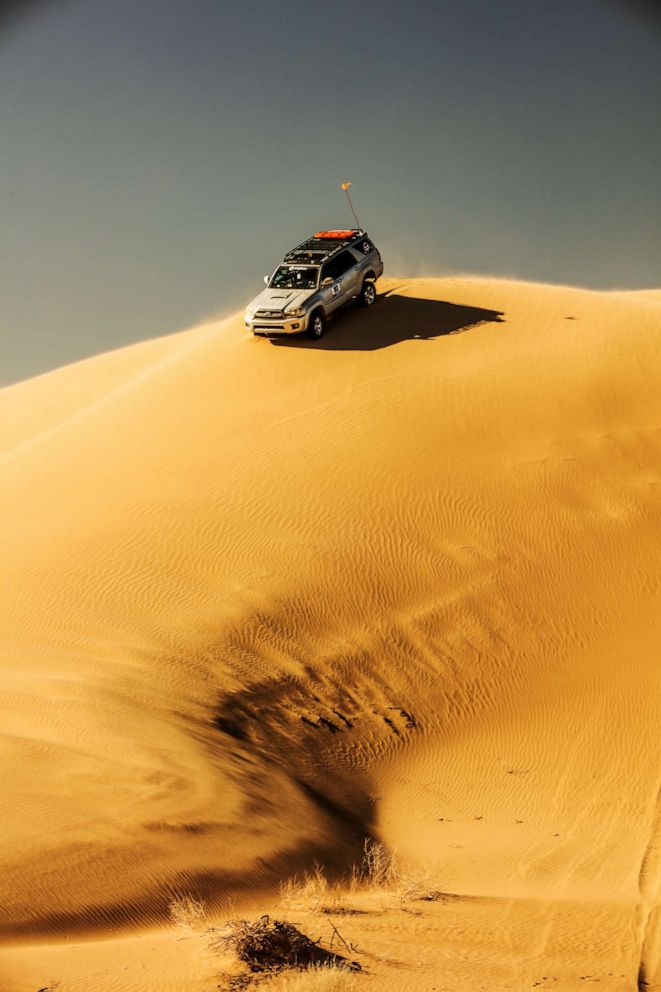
<point>379,867</point>
<point>416,886</point>
<point>382,869</point>
<point>187,912</point>
<point>313,893</point>
<point>266,945</point>
<point>307,893</point>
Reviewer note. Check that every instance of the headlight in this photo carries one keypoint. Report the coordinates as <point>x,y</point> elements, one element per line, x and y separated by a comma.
<point>296,312</point>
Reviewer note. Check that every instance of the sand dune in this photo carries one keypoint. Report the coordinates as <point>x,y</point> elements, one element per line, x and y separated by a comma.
<point>262,599</point>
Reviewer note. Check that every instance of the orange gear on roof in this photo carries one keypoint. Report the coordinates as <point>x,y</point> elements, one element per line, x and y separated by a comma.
<point>334,234</point>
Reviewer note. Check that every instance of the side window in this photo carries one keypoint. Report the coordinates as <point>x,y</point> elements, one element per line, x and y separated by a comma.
<point>363,247</point>
<point>338,265</point>
<point>329,270</point>
<point>343,263</point>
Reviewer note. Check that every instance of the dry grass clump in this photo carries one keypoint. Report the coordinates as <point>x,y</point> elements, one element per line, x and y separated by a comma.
<point>416,886</point>
<point>327,979</point>
<point>267,945</point>
<point>380,871</point>
<point>307,893</point>
<point>379,868</point>
<point>188,913</point>
<point>313,893</point>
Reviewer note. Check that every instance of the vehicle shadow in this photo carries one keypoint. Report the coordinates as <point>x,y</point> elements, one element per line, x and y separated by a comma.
<point>393,319</point>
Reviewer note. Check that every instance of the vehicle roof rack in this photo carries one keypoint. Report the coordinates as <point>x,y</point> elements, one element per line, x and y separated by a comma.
<point>322,245</point>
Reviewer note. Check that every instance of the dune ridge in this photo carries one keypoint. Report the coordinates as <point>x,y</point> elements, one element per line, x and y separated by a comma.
<point>264,599</point>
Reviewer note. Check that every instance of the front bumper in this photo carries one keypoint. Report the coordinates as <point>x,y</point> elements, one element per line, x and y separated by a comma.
<point>276,325</point>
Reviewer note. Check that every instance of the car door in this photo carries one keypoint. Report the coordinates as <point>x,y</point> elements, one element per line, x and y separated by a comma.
<point>332,294</point>
<point>345,264</point>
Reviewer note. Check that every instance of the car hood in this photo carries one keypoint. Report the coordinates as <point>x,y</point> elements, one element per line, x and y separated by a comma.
<point>279,299</point>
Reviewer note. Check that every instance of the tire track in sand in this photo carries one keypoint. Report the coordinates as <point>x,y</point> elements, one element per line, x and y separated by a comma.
<point>649,909</point>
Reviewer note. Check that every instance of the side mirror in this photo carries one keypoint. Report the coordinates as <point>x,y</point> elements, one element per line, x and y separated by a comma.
<point>327,281</point>
<point>267,279</point>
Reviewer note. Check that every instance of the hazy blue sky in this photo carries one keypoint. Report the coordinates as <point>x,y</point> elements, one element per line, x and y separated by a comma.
<point>157,156</point>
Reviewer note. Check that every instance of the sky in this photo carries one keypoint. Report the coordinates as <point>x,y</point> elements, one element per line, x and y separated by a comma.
<point>157,157</point>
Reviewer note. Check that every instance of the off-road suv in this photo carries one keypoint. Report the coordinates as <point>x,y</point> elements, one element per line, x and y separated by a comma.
<point>316,278</point>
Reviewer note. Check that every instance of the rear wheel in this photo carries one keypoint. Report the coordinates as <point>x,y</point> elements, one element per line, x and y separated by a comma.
<point>317,325</point>
<point>368,294</point>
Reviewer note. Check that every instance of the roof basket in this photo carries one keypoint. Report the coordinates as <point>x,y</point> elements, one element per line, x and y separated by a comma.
<point>322,245</point>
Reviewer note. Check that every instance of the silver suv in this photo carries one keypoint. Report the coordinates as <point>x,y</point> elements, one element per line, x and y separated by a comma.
<point>322,274</point>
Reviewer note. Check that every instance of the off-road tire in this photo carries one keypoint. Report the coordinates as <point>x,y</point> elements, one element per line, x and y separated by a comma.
<point>367,296</point>
<point>317,325</point>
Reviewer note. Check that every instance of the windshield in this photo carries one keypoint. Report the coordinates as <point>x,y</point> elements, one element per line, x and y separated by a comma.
<point>289,277</point>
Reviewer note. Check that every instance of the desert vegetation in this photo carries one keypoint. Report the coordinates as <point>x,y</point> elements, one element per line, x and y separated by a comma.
<point>277,951</point>
<point>381,874</point>
<point>315,979</point>
<point>267,946</point>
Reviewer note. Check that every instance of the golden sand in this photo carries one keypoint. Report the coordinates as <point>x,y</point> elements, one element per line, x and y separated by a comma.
<point>262,599</point>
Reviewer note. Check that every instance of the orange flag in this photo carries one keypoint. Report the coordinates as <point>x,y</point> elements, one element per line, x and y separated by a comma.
<point>345,186</point>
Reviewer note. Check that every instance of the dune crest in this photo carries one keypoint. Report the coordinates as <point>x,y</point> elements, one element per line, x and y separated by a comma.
<point>263,599</point>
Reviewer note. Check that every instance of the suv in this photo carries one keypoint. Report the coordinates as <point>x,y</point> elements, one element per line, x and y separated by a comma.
<point>315,279</point>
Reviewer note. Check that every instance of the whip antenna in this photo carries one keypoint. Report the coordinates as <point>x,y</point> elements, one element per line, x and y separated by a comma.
<point>345,187</point>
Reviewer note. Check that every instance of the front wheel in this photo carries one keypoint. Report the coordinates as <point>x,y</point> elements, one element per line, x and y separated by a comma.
<point>368,294</point>
<point>317,325</point>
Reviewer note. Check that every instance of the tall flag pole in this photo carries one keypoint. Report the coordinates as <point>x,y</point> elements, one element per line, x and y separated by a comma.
<point>345,187</point>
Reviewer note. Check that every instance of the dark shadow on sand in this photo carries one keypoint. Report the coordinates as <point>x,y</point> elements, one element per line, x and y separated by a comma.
<point>393,319</point>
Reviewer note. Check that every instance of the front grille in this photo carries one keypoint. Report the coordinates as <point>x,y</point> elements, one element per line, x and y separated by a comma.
<point>277,314</point>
